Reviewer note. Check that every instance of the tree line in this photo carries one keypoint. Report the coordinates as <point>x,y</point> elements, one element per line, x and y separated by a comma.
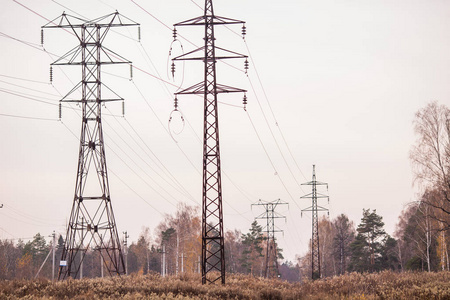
<point>419,242</point>
<point>175,248</point>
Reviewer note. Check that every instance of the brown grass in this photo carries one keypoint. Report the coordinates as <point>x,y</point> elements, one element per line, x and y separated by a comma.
<point>385,285</point>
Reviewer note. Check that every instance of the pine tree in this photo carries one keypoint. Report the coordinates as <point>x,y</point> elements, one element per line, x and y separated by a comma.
<point>367,249</point>
<point>389,258</point>
<point>252,253</point>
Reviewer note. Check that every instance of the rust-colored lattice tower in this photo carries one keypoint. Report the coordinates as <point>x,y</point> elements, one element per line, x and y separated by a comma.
<point>213,258</point>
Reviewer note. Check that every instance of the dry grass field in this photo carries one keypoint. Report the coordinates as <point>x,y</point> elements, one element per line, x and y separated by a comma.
<point>385,285</point>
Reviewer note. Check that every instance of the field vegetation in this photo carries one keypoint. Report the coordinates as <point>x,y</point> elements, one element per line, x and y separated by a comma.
<point>383,285</point>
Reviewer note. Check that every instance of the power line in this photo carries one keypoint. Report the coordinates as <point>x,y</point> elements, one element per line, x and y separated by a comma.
<point>268,156</point>
<point>20,213</point>
<point>120,178</point>
<point>136,193</point>
<point>154,113</point>
<point>20,41</point>
<point>23,79</point>
<point>36,13</point>
<point>272,164</point>
<point>270,107</point>
<point>272,134</point>
<point>26,96</point>
<point>29,222</point>
<point>159,21</point>
<point>27,117</point>
<point>27,88</point>
<point>151,187</point>
<point>126,154</point>
<point>163,168</point>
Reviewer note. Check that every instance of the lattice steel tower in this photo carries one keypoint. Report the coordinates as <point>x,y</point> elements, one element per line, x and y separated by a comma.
<point>314,208</point>
<point>91,224</point>
<point>271,262</point>
<point>213,259</point>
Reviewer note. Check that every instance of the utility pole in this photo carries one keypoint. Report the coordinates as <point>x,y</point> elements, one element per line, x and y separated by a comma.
<point>148,259</point>
<point>182,262</point>
<point>271,263</point>
<point>314,208</point>
<point>53,258</point>
<point>163,269</point>
<point>125,250</point>
<point>213,257</point>
<point>178,244</point>
<point>101,263</point>
<point>92,199</point>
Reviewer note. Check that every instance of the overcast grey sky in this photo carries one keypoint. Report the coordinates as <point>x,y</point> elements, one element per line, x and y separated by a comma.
<point>343,80</point>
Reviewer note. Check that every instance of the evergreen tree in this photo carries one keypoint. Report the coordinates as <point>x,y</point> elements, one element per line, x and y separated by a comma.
<point>389,258</point>
<point>359,260</point>
<point>36,247</point>
<point>367,249</point>
<point>252,253</point>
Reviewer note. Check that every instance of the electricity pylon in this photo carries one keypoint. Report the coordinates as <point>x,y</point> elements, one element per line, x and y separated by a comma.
<point>92,202</point>
<point>213,257</point>
<point>314,208</point>
<point>271,263</point>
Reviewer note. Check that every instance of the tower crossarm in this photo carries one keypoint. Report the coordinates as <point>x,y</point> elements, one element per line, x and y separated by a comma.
<point>208,19</point>
<point>231,55</point>
<point>318,208</point>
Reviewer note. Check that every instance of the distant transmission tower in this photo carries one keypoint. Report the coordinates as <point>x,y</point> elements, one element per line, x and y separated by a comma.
<point>92,202</point>
<point>213,258</point>
<point>314,208</point>
<point>271,263</point>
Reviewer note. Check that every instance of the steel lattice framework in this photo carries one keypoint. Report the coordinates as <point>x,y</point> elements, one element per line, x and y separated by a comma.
<point>314,208</point>
<point>92,223</point>
<point>213,258</point>
<point>271,262</point>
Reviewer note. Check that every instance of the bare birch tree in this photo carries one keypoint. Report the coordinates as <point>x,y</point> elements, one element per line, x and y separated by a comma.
<point>430,157</point>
